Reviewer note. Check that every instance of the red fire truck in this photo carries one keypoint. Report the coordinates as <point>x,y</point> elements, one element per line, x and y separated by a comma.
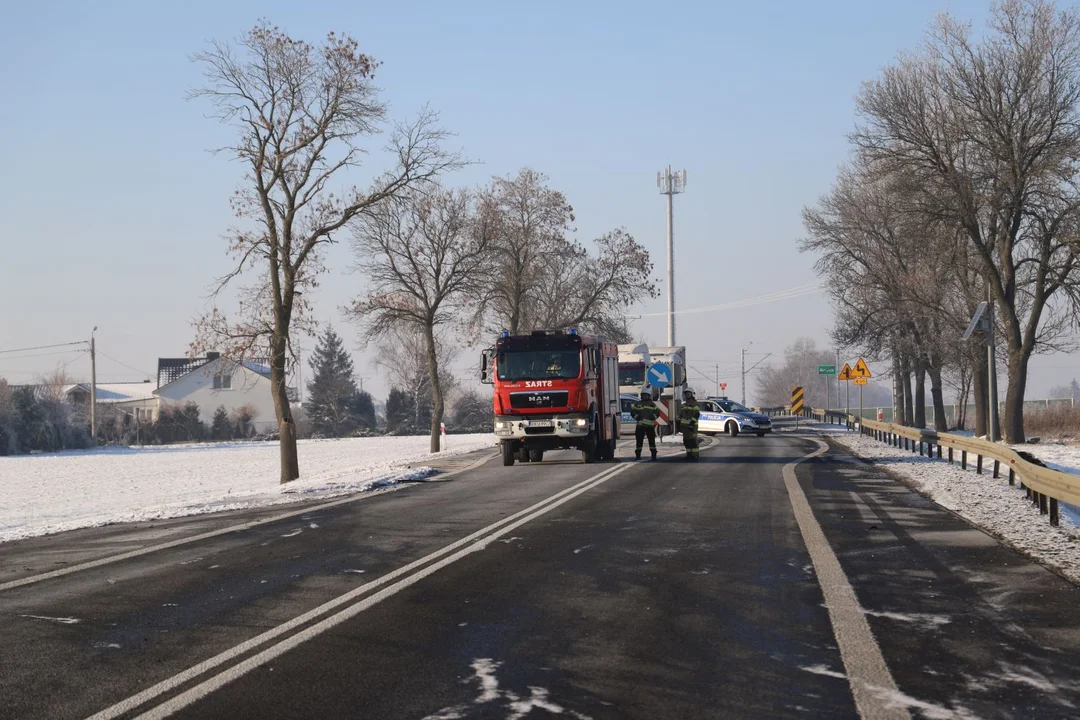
<point>554,389</point>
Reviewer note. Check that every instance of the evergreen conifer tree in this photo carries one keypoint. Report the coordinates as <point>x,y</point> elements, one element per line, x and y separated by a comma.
<point>333,406</point>
<point>400,412</point>
<point>220,427</point>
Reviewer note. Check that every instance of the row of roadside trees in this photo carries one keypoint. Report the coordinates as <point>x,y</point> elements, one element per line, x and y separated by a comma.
<point>962,187</point>
<point>336,407</point>
<point>434,259</point>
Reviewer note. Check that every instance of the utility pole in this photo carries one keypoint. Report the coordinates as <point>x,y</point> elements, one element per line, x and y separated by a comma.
<point>93,388</point>
<point>716,373</point>
<point>743,400</point>
<point>671,184</point>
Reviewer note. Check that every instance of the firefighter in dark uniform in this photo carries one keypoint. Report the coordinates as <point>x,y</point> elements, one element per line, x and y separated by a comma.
<point>688,424</point>
<point>646,413</point>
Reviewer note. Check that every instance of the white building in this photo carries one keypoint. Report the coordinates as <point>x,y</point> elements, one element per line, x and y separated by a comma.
<point>213,382</point>
<point>133,398</point>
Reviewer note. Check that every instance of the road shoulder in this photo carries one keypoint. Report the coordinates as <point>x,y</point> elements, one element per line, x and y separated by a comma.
<point>969,626</point>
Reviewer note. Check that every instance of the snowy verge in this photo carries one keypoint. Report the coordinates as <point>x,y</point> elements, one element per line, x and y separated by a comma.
<point>44,494</point>
<point>993,505</point>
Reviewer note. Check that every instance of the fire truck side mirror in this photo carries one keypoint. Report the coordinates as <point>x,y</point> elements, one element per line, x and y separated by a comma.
<point>487,367</point>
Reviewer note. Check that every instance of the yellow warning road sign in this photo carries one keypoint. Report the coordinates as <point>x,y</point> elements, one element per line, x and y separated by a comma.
<point>860,381</point>
<point>796,400</point>
<point>845,373</point>
<point>861,370</point>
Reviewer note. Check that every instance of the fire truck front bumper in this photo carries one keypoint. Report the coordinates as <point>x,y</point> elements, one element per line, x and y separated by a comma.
<point>572,426</point>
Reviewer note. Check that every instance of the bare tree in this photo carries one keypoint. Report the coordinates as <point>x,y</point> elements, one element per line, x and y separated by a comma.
<point>402,352</point>
<point>530,224</point>
<point>990,129</point>
<point>426,256</point>
<point>300,111</point>
<point>593,291</point>
<point>543,278</point>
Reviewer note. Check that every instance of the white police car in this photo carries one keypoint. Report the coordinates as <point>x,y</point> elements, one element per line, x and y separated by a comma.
<point>720,415</point>
<point>626,402</point>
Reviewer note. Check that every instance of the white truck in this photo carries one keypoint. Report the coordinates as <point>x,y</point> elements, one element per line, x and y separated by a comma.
<point>633,363</point>
<point>670,397</point>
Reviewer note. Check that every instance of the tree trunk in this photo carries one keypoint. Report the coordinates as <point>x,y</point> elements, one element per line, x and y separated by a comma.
<point>1012,425</point>
<point>920,394</point>
<point>963,393</point>
<point>290,462</point>
<point>436,388</point>
<point>905,386</point>
<point>978,384</point>
<point>941,422</point>
<point>897,395</point>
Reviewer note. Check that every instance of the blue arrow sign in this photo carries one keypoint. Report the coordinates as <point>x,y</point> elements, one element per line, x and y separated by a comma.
<point>659,375</point>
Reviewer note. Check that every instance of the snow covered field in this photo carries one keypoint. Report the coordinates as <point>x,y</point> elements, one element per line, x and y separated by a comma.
<point>42,494</point>
<point>991,504</point>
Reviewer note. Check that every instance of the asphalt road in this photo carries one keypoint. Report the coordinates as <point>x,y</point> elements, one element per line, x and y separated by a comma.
<point>744,585</point>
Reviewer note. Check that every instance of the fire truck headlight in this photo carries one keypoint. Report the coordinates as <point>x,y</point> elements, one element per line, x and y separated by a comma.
<point>581,422</point>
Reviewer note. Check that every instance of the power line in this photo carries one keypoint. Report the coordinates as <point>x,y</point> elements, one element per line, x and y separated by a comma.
<point>45,354</point>
<point>43,347</point>
<point>141,372</point>
<point>800,291</point>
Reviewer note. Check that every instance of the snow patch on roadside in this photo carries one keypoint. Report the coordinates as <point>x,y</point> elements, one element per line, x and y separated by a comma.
<point>50,493</point>
<point>516,706</point>
<point>895,700</point>
<point>927,621</point>
<point>822,670</point>
<point>990,503</point>
<point>61,620</point>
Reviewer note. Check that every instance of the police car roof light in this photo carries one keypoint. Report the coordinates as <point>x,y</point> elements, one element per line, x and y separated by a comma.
<point>571,331</point>
<point>506,333</point>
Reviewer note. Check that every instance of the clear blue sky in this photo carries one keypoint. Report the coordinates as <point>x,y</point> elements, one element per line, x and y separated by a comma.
<point>113,210</point>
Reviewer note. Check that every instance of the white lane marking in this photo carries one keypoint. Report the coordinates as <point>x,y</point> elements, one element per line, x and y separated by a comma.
<point>61,620</point>
<point>213,533</point>
<point>866,670</point>
<point>294,533</point>
<point>141,698</point>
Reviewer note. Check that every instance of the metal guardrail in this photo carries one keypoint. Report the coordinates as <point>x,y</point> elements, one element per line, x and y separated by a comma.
<point>1044,487</point>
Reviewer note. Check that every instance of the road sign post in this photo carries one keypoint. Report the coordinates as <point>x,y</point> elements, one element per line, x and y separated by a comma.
<point>659,375</point>
<point>796,403</point>
<point>845,375</point>
<point>861,373</point>
<point>825,371</point>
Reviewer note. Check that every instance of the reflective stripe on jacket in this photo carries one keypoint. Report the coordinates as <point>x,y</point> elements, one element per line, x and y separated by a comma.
<point>688,415</point>
<point>645,413</point>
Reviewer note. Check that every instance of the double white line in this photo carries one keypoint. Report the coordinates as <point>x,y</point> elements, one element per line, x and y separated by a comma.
<point>300,629</point>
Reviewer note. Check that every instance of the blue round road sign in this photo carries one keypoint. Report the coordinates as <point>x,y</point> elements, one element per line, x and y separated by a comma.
<point>659,375</point>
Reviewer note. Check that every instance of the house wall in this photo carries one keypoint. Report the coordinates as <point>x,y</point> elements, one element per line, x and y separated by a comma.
<point>248,388</point>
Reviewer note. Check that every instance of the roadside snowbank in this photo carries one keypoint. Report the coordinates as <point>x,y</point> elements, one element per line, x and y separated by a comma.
<point>991,504</point>
<point>42,494</point>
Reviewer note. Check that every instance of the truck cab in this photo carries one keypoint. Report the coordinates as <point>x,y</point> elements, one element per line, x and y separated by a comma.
<point>634,361</point>
<point>554,390</point>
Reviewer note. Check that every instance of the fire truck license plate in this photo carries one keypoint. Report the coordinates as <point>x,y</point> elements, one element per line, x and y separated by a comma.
<point>540,423</point>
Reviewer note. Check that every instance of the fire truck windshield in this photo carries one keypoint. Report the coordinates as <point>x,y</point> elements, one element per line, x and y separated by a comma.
<point>539,364</point>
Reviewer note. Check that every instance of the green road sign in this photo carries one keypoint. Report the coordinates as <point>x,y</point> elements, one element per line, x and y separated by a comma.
<point>826,369</point>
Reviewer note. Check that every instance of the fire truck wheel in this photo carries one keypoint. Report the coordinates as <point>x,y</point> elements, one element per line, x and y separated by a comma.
<point>589,448</point>
<point>523,455</point>
<point>536,455</point>
<point>508,453</point>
